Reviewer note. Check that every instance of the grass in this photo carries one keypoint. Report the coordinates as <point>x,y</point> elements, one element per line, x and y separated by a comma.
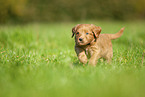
<point>38,60</point>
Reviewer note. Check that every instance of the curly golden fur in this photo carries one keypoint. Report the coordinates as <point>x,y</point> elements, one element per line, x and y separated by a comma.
<point>89,43</point>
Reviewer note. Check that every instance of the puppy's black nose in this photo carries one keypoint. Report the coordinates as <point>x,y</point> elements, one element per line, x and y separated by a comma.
<point>80,39</point>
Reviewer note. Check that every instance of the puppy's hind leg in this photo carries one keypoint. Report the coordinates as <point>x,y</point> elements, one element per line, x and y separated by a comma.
<point>108,57</point>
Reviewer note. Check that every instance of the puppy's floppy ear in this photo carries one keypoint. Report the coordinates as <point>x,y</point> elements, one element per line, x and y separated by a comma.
<point>74,30</point>
<point>96,31</point>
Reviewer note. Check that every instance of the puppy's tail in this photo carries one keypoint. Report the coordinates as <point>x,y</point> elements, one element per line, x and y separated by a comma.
<point>116,35</point>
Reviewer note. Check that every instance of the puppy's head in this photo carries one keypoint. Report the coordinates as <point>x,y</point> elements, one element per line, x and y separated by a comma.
<point>85,33</point>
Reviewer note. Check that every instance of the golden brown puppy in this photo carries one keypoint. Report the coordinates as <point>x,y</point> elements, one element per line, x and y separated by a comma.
<point>89,41</point>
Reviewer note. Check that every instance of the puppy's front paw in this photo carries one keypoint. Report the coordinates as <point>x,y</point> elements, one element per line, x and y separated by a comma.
<point>91,63</point>
<point>83,59</point>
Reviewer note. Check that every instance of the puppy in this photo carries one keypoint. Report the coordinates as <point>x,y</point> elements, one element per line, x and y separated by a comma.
<point>90,43</point>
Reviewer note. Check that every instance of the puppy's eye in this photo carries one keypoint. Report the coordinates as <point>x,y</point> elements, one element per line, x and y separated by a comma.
<point>87,33</point>
<point>77,32</point>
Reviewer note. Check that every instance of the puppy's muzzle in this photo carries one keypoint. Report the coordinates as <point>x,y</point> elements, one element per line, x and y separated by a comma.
<point>80,39</point>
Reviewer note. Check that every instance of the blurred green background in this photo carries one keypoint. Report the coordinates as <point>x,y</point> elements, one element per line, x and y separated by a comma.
<point>23,11</point>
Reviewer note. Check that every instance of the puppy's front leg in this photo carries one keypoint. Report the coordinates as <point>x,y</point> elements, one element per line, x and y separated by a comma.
<point>93,60</point>
<point>81,55</point>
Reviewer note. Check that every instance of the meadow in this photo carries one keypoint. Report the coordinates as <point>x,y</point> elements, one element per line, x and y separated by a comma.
<point>38,60</point>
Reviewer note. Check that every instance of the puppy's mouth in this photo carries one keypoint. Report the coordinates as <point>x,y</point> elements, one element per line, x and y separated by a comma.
<point>81,43</point>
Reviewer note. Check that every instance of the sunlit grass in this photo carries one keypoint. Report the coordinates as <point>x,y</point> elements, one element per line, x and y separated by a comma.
<point>38,60</point>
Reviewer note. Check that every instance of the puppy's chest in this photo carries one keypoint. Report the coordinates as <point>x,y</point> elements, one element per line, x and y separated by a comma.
<point>89,51</point>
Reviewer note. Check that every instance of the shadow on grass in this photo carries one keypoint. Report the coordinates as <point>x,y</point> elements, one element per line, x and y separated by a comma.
<point>99,63</point>
<point>78,64</point>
